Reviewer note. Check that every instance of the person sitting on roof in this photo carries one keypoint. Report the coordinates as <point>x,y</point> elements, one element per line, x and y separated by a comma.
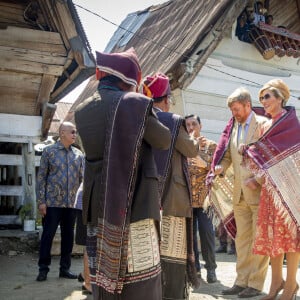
<point>258,14</point>
<point>269,19</point>
<point>242,28</point>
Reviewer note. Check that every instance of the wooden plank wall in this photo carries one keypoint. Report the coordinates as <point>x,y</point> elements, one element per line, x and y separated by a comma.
<point>286,13</point>
<point>31,59</point>
<point>26,57</point>
<point>11,13</point>
<point>26,127</point>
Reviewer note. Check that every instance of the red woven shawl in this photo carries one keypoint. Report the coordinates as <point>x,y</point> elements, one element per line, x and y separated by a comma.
<point>276,156</point>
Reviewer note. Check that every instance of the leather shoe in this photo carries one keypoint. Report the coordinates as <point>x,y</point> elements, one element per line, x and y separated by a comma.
<point>67,274</point>
<point>236,289</point>
<point>231,252</point>
<point>80,278</point>
<point>85,290</point>
<point>248,293</point>
<point>211,276</point>
<point>221,249</point>
<point>42,276</point>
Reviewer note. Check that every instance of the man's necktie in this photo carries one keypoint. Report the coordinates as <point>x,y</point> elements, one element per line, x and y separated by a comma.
<point>241,139</point>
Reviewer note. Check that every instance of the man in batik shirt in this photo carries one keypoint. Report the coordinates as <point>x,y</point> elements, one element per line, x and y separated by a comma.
<point>198,168</point>
<point>59,177</point>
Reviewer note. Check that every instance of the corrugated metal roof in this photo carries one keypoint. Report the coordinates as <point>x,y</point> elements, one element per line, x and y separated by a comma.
<point>127,29</point>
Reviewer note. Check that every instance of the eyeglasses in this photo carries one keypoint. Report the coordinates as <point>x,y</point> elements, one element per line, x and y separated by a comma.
<point>265,97</point>
<point>73,132</point>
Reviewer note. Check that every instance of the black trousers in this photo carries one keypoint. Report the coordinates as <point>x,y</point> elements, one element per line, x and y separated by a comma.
<point>203,224</point>
<point>66,218</point>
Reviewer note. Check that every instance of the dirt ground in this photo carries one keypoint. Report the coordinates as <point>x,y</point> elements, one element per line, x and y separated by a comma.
<point>18,275</point>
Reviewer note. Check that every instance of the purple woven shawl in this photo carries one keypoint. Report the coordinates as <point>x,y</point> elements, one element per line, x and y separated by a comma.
<point>163,162</point>
<point>163,157</point>
<point>276,156</point>
<point>126,124</point>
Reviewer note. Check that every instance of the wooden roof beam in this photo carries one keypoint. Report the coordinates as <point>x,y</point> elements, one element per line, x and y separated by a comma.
<point>70,78</point>
<point>47,86</point>
<point>48,113</point>
<point>70,35</point>
<point>61,18</point>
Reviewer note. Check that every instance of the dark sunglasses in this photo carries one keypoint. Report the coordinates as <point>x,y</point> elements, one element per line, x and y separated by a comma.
<point>265,97</point>
<point>73,132</point>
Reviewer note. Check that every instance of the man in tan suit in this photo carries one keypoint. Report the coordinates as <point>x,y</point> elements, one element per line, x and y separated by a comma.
<point>251,269</point>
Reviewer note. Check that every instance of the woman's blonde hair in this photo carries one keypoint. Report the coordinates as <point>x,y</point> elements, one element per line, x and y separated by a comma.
<point>278,88</point>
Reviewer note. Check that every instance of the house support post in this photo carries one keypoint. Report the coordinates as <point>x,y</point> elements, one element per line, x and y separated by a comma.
<point>29,182</point>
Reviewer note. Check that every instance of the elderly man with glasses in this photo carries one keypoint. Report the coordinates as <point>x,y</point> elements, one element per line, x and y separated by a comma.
<point>59,177</point>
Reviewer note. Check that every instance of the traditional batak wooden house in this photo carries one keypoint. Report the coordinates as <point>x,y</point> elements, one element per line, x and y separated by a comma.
<point>196,44</point>
<point>44,54</point>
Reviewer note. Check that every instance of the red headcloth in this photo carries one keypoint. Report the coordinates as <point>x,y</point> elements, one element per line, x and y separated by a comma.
<point>156,86</point>
<point>124,65</point>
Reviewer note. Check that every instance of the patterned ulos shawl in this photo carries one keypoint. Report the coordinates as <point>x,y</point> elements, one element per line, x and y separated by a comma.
<point>221,200</point>
<point>276,157</point>
<point>221,188</point>
<point>123,141</point>
<point>163,157</point>
<point>163,162</point>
